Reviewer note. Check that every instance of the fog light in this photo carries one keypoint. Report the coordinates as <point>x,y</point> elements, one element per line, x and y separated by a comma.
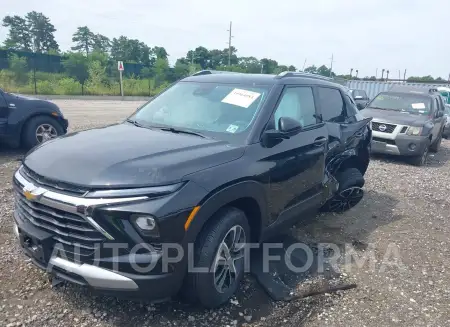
<point>412,146</point>
<point>146,225</point>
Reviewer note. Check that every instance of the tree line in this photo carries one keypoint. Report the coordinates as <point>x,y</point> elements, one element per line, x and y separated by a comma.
<point>93,57</point>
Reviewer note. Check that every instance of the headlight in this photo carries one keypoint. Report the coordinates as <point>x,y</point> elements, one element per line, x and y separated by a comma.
<point>415,131</point>
<point>130,192</point>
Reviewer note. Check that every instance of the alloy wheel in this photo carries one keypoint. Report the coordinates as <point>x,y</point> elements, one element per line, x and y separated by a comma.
<point>229,258</point>
<point>346,199</point>
<point>45,132</point>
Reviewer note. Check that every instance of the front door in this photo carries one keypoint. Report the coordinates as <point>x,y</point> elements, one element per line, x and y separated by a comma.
<point>298,163</point>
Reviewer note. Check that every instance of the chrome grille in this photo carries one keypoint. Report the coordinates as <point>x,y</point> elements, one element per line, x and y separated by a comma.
<point>67,228</point>
<point>388,128</point>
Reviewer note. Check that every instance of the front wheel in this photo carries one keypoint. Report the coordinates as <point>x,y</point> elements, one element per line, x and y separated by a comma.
<point>219,252</point>
<point>39,130</point>
<point>421,159</point>
<point>437,144</point>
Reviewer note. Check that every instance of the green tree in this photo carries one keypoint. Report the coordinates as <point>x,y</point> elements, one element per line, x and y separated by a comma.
<point>76,66</point>
<point>250,64</point>
<point>84,39</point>
<point>269,66</point>
<point>19,37</point>
<point>160,52</point>
<point>18,65</point>
<point>131,50</point>
<point>311,69</point>
<point>199,56</point>
<point>325,71</point>
<point>101,43</point>
<point>160,71</point>
<point>41,32</point>
<point>292,68</point>
<point>181,69</point>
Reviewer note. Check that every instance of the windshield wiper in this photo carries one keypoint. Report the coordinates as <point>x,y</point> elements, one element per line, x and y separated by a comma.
<point>134,122</point>
<point>183,131</point>
<point>379,108</point>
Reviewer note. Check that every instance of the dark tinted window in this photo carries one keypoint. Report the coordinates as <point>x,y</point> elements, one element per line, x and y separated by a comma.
<point>360,93</point>
<point>332,105</point>
<point>405,102</point>
<point>297,103</point>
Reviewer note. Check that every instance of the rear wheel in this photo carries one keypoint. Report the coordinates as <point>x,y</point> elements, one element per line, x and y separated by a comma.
<point>40,129</point>
<point>220,250</point>
<point>350,191</point>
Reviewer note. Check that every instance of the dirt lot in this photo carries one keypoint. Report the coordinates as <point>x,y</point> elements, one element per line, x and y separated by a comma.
<point>405,215</point>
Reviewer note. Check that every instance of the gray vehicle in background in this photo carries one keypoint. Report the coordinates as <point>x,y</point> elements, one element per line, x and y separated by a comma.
<point>446,133</point>
<point>407,122</point>
<point>360,97</point>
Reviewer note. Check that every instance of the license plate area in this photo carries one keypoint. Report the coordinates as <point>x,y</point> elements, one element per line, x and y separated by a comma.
<point>37,248</point>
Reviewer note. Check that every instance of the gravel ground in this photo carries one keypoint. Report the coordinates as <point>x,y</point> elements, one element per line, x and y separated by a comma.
<point>401,227</point>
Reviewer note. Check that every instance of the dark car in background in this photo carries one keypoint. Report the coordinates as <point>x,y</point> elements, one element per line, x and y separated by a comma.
<point>212,163</point>
<point>27,122</point>
<point>407,121</point>
<point>360,97</point>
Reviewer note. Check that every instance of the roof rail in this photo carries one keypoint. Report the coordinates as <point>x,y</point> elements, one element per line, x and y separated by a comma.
<point>303,74</point>
<point>209,72</point>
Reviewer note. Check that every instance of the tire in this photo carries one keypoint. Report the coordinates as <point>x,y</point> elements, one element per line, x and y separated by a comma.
<point>421,159</point>
<point>29,138</point>
<point>200,286</point>
<point>437,144</point>
<point>349,193</point>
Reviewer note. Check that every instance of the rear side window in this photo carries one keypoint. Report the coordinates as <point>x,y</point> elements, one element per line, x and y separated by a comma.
<point>360,93</point>
<point>332,104</point>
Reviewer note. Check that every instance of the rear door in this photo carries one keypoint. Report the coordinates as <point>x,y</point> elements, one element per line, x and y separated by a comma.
<point>298,163</point>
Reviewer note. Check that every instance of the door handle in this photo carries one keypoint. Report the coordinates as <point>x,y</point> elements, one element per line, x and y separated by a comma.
<point>320,141</point>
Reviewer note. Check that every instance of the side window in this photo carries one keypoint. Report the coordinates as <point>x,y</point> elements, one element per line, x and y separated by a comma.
<point>297,103</point>
<point>331,104</point>
<point>437,107</point>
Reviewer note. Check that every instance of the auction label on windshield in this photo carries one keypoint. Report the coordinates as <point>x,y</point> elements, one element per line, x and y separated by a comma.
<point>241,98</point>
<point>418,105</point>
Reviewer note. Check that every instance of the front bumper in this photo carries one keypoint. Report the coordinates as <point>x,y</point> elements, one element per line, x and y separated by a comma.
<point>403,145</point>
<point>98,246</point>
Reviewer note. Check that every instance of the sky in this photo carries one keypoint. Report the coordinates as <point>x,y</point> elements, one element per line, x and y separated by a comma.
<point>367,35</point>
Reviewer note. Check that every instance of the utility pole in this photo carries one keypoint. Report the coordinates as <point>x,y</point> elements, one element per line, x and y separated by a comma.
<point>331,65</point>
<point>229,45</point>
<point>387,74</point>
<point>304,64</point>
<point>376,73</point>
<point>351,72</point>
<point>382,74</point>
<point>357,71</point>
<point>404,76</point>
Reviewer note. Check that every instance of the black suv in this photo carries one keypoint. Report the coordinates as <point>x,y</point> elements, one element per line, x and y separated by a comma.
<point>407,121</point>
<point>28,121</point>
<point>215,162</point>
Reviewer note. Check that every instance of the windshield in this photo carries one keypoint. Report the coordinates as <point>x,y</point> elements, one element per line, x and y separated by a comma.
<point>204,107</point>
<point>411,103</point>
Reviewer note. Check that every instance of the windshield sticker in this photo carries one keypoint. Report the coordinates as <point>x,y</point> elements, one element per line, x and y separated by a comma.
<point>232,128</point>
<point>418,105</point>
<point>241,98</point>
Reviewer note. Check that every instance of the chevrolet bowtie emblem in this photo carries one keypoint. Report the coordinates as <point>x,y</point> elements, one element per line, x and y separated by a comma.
<point>32,193</point>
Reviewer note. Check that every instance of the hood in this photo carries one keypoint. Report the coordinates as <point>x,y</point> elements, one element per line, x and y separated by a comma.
<point>127,156</point>
<point>394,117</point>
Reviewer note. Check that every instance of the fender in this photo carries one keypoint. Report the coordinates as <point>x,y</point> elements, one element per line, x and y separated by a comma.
<point>220,198</point>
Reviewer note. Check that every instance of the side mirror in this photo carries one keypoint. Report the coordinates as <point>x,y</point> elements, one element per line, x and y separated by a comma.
<point>358,97</point>
<point>289,125</point>
<point>439,114</point>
